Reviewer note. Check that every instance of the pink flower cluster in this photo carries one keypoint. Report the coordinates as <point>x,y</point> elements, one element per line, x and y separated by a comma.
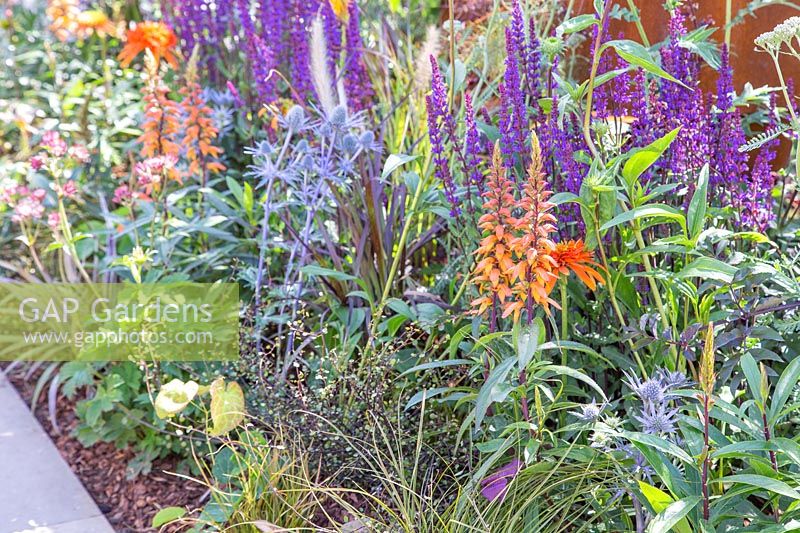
<point>28,203</point>
<point>56,148</point>
<point>149,174</point>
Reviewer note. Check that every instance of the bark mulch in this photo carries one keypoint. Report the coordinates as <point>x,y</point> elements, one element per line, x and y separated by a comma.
<point>129,505</point>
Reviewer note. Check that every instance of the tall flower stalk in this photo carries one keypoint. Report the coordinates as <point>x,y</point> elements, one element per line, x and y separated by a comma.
<point>707,381</point>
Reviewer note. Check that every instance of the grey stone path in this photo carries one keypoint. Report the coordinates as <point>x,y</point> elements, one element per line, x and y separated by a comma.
<point>38,491</point>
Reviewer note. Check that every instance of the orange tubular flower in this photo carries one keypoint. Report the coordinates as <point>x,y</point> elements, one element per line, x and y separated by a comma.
<point>198,127</point>
<point>154,36</point>
<point>572,255</point>
<point>495,259</point>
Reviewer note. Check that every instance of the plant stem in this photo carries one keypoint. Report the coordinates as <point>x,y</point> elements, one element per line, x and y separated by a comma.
<point>613,296</point>
<point>638,21</point>
<point>728,17</point>
<point>790,107</point>
<point>772,459</point>
<point>706,459</point>
<point>451,6</point>
<point>526,415</point>
<point>564,315</point>
<point>654,287</point>
<point>587,116</point>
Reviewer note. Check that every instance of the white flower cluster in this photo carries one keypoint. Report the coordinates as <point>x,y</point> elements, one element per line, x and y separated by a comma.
<point>783,33</point>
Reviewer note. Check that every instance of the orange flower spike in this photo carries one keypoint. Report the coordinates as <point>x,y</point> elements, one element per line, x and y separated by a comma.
<point>495,254</point>
<point>198,126</point>
<point>573,256</point>
<point>533,271</point>
<point>156,37</point>
<point>161,123</point>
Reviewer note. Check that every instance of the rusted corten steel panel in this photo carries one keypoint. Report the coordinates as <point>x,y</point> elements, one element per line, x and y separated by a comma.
<point>749,65</point>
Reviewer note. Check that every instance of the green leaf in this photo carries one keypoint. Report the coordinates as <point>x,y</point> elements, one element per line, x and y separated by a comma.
<point>425,394</point>
<point>493,389</point>
<point>227,406</point>
<point>575,24</point>
<point>174,397</point>
<point>395,161</point>
<point>636,54</point>
<point>708,268</point>
<point>753,376</point>
<point>699,204</point>
<point>762,482</point>
<point>783,389</point>
<point>738,449</point>
<point>318,271</point>
<point>663,445</point>
<point>565,198</point>
<point>577,374</point>
<point>657,498</point>
<point>643,158</point>
<point>669,517</point>
<point>643,212</point>
<point>436,364</point>
<point>167,515</point>
<point>528,339</point>
<point>570,345</point>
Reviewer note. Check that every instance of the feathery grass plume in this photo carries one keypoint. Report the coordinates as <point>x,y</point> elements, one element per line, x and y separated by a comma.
<point>707,375</point>
<point>161,115</point>
<point>431,47</point>
<point>320,75</point>
<point>707,381</point>
<point>495,259</point>
<point>199,131</point>
<point>533,272</point>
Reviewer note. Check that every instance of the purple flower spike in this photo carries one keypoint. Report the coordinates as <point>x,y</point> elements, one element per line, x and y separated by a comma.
<point>438,120</point>
<point>300,19</point>
<point>728,164</point>
<point>517,34</point>
<point>513,119</point>
<point>356,78</point>
<point>333,35</point>
<point>258,53</point>
<point>533,67</point>
<point>495,486</point>
<point>473,145</point>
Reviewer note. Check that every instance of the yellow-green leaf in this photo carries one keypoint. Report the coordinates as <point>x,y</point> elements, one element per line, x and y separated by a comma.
<point>227,406</point>
<point>167,515</point>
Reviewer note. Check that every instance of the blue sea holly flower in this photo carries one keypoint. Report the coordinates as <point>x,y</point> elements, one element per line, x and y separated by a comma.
<point>650,390</point>
<point>673,380</point>
<point>338,117</point>
<point>262,149</point>
<point>588,412</point>
<point>657,419</point>
<point>295,119</point>
<point>350,143</point>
